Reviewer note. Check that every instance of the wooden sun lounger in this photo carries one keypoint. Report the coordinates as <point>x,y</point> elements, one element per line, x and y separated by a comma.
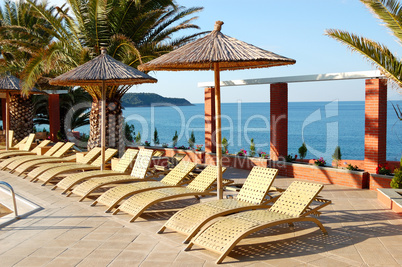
<point>200,186</point>
<point>10,142</point>
<point>120,169</point>
<point>54,172</point>
<point>140,172</point>
<point>13,163</point>
<point>47,164</point>
<point>175,177</point>
<point>252,195</point>
<point>57,155</point>
<point>24,150</point>
<point>292,206</point>
<point>19,154</point>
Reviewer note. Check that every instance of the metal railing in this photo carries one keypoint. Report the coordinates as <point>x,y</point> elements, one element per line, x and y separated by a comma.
<point>13,196</point>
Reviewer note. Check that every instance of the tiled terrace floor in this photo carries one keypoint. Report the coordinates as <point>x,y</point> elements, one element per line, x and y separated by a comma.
<point>68,233</point>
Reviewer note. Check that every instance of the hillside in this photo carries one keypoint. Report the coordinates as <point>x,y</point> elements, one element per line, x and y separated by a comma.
<point>147,99</point>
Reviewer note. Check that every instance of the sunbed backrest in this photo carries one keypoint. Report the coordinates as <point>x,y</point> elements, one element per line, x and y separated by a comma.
<point>90,156</point>
<point>158,153</point>
<point>10,138</point>
<point>63,150</point>
<point>41,144</point>
<point>142,163</point>
<point>109,153</point>
<point>28,143</point>
<point>21,142</point>
<point>178,173</point>
<point>125,161</point>
<point>296,198</point>
<point>205,179</point>
<point>257,184</point>
<point>53,149</point>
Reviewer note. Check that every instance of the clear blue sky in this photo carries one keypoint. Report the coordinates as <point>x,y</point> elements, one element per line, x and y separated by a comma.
<point>290,28</point>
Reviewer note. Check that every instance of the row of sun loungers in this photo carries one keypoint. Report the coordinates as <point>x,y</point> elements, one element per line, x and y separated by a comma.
<point>254,208</point>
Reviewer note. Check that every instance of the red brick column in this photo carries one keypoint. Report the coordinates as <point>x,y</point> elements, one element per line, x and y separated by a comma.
<point>210,144</point>
<point>375,137</point>
<point>54,116</point>
<point>279,120</point>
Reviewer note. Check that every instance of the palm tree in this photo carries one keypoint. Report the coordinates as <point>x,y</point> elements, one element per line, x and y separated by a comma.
<point>390,13</point>
<point>22,33</point>
<point>74,110</point>
<point>132,31</point>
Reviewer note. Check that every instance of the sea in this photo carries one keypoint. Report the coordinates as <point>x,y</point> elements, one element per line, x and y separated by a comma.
<point>320,125</point>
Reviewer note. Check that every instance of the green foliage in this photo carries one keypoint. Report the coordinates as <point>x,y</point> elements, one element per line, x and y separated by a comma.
<point>225,145</point>
<point>138,138</point>
<point>303,151</point>
<point>390,12</point>
<point>398,111</point>
<point>337,153</point>
<point>191,140</point>
<point>175,139</point>
<point>350,167</point>
<point>290,158</point>
<point>133,31</point>
<point>397,180</point>
<point>156,137</point>
<point>337,156</point>
<point>147,99</point>
<point>252,148</point>
<point>129,132</point>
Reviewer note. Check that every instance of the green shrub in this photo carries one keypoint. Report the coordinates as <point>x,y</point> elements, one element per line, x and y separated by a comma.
<point>303,151</point>
<point>225,145</point>
<point>252,148</point>
<point>397,180</point>
<point>175,139</point>
<point>138,138</point>
<point>156,137</point>
<point>191,140</point>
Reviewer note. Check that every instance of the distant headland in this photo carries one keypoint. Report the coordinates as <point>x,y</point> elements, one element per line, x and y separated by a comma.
<point>147,99</point>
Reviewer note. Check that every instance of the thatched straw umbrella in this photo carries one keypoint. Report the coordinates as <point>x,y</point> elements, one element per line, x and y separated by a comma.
<point>10,84</point>
<point>102,71</point>
<point>217,51</point>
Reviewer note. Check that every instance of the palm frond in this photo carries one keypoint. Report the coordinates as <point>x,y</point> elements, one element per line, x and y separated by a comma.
<point>375,52</point>
<point>390,12</point>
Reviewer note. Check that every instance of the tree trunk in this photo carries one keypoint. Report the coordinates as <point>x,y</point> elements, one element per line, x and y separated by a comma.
<point>21,116</point>
<point>114,125</point>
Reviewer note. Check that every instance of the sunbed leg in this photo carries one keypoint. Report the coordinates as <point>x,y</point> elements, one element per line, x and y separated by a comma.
<point>116,211</point>
<point>69,194</point>
<point>189,246</point>
<point>109,209</point>
<point>135,217</point>
<point>197,197</point>
<point>94,203</point>
<point>319,224</point>
<point>188,239</point>
<point>54,187</point>
<point>161,230</point>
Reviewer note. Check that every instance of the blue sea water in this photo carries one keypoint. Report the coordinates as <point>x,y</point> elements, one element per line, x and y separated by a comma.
<point>321,125</point>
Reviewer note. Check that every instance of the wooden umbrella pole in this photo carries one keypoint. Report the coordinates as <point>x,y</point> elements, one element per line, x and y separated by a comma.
<point>103,129</point>
<point>6,122</point>
<point>218,130</point>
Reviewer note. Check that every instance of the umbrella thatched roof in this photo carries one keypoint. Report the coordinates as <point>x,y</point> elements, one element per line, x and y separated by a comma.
<point>11,84</point>
<point>101,69</point>
<point>216,47</point>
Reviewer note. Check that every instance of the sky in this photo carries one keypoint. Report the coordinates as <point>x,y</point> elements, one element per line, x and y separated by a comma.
<point>290,28</point>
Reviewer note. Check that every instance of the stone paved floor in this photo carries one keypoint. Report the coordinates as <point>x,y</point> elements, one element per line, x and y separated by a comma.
<point>69,233</point>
